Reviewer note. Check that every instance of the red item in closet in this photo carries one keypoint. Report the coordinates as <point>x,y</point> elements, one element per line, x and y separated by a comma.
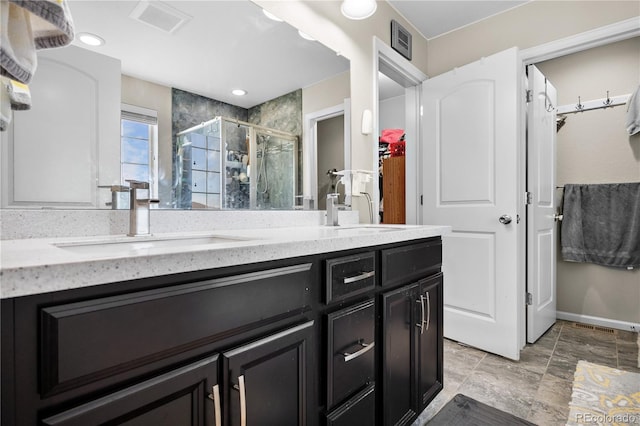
<point>395,139</point>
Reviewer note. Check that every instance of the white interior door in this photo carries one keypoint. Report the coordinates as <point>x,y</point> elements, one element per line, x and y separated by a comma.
<point>541,183</point>
<point>471,164</point>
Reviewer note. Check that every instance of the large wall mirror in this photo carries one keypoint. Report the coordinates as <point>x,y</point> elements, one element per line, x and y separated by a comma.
<point>155,102</point>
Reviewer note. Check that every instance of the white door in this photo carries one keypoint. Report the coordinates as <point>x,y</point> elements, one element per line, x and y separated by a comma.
<point>471,169</point>
<point>541,230</point>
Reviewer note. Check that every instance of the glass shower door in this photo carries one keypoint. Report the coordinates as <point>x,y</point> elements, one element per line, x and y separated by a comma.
<point>274,171</point>
<point>236,143</point>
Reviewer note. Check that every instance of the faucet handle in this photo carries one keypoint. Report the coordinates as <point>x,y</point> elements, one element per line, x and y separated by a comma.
<point>137,184</point>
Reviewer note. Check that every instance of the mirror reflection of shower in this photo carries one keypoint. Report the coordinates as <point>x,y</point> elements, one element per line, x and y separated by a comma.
<point>230,164</point>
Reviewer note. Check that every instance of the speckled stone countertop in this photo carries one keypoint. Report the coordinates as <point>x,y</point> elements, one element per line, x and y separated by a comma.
<point>33,266</point>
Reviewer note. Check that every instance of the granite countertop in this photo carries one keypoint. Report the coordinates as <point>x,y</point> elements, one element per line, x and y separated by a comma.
<point>33,266</point>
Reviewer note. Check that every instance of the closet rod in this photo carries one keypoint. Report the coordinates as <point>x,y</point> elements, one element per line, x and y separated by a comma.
<point>594,104</point>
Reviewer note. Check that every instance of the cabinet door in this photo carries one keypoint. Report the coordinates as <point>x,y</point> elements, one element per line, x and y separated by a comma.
<point>268,383</point>
<point>185,396</point>
<point>399,328</point>
<point>430,339</point>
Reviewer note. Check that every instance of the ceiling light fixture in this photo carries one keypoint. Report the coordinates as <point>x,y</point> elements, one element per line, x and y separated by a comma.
<point>358,9</point>
<point>271,16</point>
<point>239,92</point>
<point>90,39</point>
<point>306,36</point>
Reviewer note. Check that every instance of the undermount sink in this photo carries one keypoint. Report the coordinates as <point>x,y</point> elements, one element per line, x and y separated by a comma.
<point>132,245</point>
<point>365,229</point>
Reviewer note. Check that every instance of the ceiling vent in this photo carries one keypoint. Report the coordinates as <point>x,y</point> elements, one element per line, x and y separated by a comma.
<point>159,15</point>
<point>400,39</point>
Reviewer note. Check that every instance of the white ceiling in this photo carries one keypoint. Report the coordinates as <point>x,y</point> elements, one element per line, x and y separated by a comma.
<point>231,44</point>
<point>225,45</point>
<point>433,18</point>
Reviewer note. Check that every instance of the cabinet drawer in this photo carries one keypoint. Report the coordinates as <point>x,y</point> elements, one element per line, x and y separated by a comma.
<point>402,264</point>
<point>359,410</point>
<point>87,341</point>
<point>175,398</point>
<point>351,354</point>
<point>350,275</point>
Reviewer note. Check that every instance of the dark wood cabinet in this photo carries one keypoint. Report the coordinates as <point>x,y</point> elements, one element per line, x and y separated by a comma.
<point>399,355</point>
<point>412,351</point>
<point>184,396</point>
<point>346,338</point>
<point>267,379</point>
<point>430,341</point>
<point>359,410</point>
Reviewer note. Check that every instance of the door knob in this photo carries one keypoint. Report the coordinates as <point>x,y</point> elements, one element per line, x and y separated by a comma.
<point>505,219</point>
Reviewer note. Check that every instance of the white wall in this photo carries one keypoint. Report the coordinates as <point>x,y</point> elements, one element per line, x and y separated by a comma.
<point>392,113</point>
<point>594,147</point>
<point>531,24</point>
<point>326,93</point>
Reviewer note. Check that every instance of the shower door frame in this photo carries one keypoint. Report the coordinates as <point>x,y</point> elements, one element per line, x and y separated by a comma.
<point>253,130</point>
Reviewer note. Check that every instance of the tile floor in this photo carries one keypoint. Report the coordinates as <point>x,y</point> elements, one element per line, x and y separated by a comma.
<point>538,387</point>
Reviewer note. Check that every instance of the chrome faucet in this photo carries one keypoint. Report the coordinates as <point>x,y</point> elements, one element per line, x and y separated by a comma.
<point>332,209</point>
<point>138,209</point>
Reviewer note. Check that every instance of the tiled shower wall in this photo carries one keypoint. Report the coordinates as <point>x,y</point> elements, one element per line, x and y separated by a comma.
<point>283,113</point>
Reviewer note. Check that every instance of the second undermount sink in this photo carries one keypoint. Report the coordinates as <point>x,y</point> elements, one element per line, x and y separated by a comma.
<point>364,229</point>
<point>142,244</point>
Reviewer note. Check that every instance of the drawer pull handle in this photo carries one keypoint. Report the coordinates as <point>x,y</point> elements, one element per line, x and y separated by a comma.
<point>362,276</point>
<point>366,347</point>
<point>215,396</point>
<point>420,325</point>
<point>243,400</point>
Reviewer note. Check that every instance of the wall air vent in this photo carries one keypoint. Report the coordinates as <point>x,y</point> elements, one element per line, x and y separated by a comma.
<point>400,39</point>
<point>159,15</point>
<point>594,327</point>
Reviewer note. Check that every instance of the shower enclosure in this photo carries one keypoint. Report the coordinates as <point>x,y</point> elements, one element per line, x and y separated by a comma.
<point>225,163</point>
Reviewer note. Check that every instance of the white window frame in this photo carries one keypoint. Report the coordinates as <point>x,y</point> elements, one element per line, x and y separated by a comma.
<point>150,117</point>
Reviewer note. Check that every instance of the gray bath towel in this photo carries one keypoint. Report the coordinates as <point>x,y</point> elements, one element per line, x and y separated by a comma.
<point>601,224</point>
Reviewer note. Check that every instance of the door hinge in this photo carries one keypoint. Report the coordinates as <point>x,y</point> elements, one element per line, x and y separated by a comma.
<point>529,299</point>
<point>529,95</point>
<point>421,200</point>
<point>528,198</point>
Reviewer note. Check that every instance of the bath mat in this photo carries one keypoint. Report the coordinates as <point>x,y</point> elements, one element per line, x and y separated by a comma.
<point>465,411</point>
<point>604,396</point>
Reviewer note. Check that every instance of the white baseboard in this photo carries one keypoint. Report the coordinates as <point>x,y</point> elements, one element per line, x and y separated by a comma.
<point>602,322</point>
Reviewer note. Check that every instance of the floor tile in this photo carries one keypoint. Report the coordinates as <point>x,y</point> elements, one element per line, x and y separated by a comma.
<point>548,415</point>
<point>554,391</point>
<point>538,387</point>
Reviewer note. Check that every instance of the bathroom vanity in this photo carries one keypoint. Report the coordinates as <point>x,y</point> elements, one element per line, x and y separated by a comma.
<point>283,326</point>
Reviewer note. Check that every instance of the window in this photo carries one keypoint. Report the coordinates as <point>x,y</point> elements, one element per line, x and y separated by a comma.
<point>139,146</point>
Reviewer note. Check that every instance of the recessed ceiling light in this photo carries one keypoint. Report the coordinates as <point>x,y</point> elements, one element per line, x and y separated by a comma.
<point>306,36</point>
<point>239,92</point>
<point>271,16</point>
<point>90,39</point>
